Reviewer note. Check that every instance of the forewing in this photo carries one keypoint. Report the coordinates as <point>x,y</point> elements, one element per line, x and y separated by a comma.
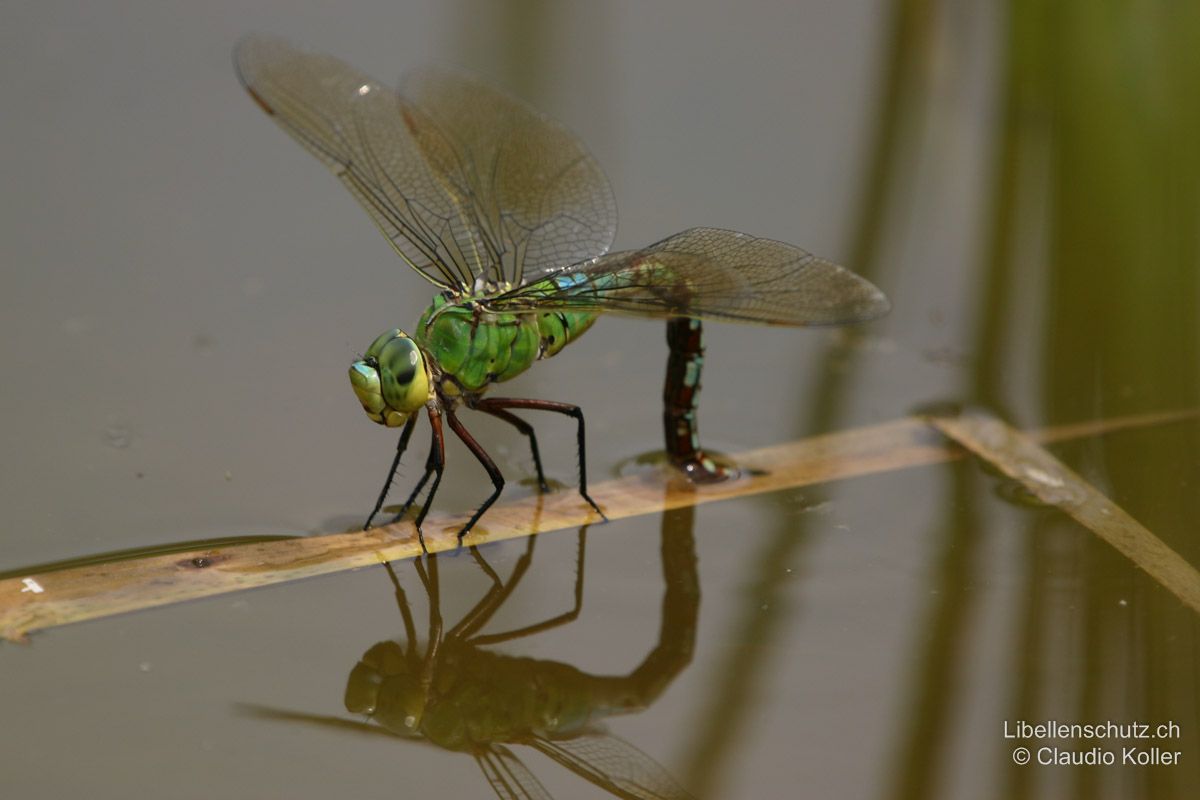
<point>708,273</point>
<point>542,200</point>
<point>614,765</point>
<point>376,144</point>
<point>509,778</point>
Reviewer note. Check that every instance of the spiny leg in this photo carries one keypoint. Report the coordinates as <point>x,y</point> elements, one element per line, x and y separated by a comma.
<point>435,463</point>
<point>685,336</point>
<point>429,579</point>
<point>499,592</point>
<point>405,435</point>
<point>524,427</point>
<point>492,470</point>
<point>430,465</point>
<point>553,622</point>
<point>490,603</point>
<point>559,408</point>
<point>410,630</point>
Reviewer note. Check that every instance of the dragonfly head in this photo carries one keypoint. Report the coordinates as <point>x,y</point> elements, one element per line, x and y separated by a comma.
<point>387,685</point>
<point>391,380</point>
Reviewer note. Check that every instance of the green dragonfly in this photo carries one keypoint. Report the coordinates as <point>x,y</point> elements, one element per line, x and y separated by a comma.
<point>506,212</point>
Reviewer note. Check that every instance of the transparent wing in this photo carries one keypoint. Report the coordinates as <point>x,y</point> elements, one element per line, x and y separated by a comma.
<point>509,778</point>
<point>368,137</point>
<point>708,273</point>
<point>539,196</point>
<point>614,765</point>
<point>511,190</point>
<point>322,721</point>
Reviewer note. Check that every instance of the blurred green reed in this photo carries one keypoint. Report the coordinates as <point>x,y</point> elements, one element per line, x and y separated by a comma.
<point>1086,307</point>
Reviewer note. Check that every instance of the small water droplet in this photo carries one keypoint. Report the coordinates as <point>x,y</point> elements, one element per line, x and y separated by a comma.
<point>118,435</point>
<point>1041,476</point>
<point>145,666</point>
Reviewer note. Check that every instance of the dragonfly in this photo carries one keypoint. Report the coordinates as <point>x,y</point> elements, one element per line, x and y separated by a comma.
<point>458,695</point>
<point>509,216</point>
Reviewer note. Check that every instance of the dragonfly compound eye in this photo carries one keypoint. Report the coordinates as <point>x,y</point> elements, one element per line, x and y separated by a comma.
<point>391,381</point>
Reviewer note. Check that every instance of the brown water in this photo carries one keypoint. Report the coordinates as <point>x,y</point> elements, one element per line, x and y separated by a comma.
<point>183,288</point>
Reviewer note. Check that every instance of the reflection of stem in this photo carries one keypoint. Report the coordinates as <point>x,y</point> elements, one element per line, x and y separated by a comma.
<point>924,739</point>
<point>1018,780</point>
<point>909,42</point>
<point>936,671</point>
<point>723,721</point>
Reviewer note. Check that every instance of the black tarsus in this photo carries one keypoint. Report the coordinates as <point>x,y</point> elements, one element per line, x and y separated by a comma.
<point>435,463</point>
<point>437,459</point>
<point>525,428</point>
<point>401,446</point>
<point>503,403</point>
<point>431,462</point>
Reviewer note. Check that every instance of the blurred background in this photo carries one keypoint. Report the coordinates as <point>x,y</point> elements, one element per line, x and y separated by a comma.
<point>182,289</point>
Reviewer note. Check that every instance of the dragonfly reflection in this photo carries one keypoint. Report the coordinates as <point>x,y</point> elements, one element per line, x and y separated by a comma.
<point>461,696</point>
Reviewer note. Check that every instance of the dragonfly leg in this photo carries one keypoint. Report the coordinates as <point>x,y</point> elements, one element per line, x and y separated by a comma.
<point>434,464</point>
<point>492,470</point>
<point>401,446</point>
<point>685,336</point>
<point>491,601</point>
<point>429,580</point>
<point>482,613</point>
<point>553,622</point>
<point>524,427</point>
<point>430,466</point>
<point>559,408</point>
<point>410,628</point>
<point>437,454</point>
